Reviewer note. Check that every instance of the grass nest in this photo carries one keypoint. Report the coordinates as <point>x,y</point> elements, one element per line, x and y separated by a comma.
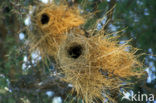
<point>50,24</point>
<point>95,65</point>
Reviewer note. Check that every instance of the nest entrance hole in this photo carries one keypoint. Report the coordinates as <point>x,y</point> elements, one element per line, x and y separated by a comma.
<point>75,51</point>
<point>44,19</point>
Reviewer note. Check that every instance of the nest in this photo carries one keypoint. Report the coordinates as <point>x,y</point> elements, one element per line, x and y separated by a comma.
<point>95,65</point>
<point>57,19</point>
<point>50,23</point>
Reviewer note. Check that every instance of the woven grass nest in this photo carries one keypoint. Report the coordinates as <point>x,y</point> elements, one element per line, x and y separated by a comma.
<point>50,24</point>
<point>93,65</point>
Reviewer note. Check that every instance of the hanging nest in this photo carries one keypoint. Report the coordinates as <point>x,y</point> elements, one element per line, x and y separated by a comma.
<point>57,19</point>
<point>95,65</point>
<point>50,23</point>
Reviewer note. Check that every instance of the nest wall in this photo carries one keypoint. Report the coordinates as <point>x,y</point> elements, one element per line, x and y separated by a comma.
<point>51,23</point>
<point>96,64</point>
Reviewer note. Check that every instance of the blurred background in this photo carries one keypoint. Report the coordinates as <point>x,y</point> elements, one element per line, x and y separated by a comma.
<point>25,79</point>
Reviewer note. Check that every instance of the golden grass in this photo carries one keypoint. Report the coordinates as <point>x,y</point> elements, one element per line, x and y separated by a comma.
<point>100,66</point>
<point>61,18</point>
<point>50,23</point>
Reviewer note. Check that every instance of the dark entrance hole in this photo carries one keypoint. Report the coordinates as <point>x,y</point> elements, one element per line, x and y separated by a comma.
<point>75,51</point>
<point>44,18</point>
